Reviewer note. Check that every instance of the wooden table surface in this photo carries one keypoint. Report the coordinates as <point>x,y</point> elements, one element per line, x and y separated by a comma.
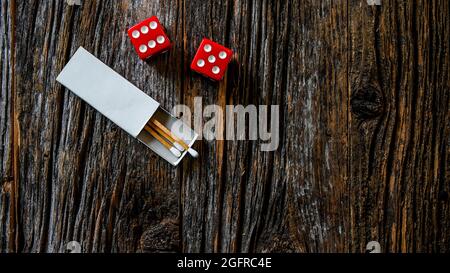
<point>364,129</point>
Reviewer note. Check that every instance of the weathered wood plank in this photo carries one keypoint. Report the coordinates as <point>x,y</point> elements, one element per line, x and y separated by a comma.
<point>317,127</point>
<point>8,142</point>
<point>204,178</point>
<point>81,177</point>
<point>398,104</point>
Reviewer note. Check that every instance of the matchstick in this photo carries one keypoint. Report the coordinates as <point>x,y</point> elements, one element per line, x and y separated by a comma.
<point>172,137</point>
<point>163,133</point>
<point>168,146</point>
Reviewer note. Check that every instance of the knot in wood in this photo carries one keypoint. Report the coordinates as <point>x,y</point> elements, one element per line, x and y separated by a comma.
<point>162,237</point>
<point>443,196</point>
<point>367,102</point>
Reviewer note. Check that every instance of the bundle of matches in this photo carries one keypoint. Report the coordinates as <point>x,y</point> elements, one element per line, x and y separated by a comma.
<point>173,143</point>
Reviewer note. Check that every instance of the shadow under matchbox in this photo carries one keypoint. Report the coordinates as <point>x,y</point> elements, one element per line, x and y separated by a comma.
<point>127,106</point>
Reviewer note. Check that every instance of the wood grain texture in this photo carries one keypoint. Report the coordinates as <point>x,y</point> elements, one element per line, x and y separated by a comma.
<point>364,94</point>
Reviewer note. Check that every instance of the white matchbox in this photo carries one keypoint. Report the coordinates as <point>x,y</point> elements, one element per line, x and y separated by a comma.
<point>121,102</point>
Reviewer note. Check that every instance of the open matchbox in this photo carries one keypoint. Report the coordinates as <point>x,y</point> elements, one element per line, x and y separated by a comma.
<point>121,102</point>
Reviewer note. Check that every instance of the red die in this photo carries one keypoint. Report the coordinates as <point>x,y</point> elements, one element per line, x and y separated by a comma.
<point>211,60</point>
<point>149,38</point>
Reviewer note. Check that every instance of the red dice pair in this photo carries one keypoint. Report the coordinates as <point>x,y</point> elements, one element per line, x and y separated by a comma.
<point>149,39</point>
